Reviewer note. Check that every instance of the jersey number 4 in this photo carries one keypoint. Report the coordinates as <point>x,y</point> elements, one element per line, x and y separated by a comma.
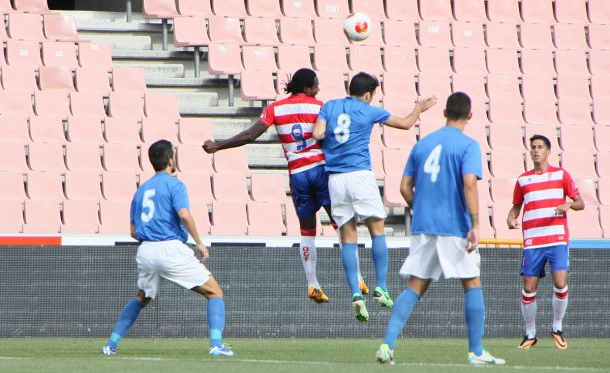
<point>148,203</point>
<point>432,165</point>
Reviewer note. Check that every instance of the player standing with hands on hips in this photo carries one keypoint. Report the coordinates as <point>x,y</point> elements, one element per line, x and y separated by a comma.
<point>440,186</point>
<point>542,192</point>
<point>345,125</point>
<point>160,220</point>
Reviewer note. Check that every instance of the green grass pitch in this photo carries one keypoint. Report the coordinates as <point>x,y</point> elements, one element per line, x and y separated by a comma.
<point>67,355</point>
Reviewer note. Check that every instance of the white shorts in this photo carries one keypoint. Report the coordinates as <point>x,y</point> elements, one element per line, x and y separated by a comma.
<point>430,256</point>
<point>171,260</point>
<point>354,194</point>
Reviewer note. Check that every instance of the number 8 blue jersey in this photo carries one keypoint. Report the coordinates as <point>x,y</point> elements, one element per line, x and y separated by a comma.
<point>437,164</point>
<point>349,123</point>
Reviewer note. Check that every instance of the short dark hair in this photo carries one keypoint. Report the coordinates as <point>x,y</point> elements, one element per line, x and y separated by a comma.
<point>458,106</point>
<point>160,153</point>
<point>301,79</point>
<point>544,139</point>
<point>362,83</point>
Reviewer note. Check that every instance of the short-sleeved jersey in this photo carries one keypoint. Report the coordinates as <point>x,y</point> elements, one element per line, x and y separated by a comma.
<point>155,206</point>
<point>294,118</point>
<point>437,164</point>
<point>540,194</point>
<point>349,123</point>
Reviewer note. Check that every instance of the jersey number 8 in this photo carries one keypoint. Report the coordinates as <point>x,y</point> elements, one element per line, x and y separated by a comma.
<point>342,130</point>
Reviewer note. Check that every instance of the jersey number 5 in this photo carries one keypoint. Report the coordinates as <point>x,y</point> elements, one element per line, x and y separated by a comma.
<point>342,130</point>
<point>432,165</point>
<point>147,202</point>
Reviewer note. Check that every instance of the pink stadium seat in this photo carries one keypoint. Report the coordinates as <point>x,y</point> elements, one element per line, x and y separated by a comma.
<point>16,103</point>
<point>547,130</point>
<point>159,8</point>
<point>502,61</point>
<point>399,85</point>
<point>365,58</point>
<point>434,84</point>
<point>603,164</point>
<point>92,80</point>
<point>398,139</point>
<point>502,188</point>
<point>296,30</point>
<point>83,157</point>
<point>502,35</point>
<point>569,61</point>
<point>399,59</point>
<point>537,36</point>
<point>225,30</point>
<point>498,218</point>
<point>114,217</point>
<point>259,58</point>
<point>194,8</point>
<point>604,220</point>
<point>540,111</point>
<point>396,105</point>
<point>86,103</point>
<point>571,11</point>
<point>59,53</point>
<point>57,78</point>
<point>126,103</point>
<point>159,127</point>
<point>128,79</point>
<point>576,137</point>
<point>25,26</point>
<point>587,190</point>
<point>435,34</point>
<point>12,185</point>
<point>19,79</point>
<point>507,163</point>
<point>23,53</point>
<point>161,105</point>
<point>599,36</point>
<point>202,217</point>
<point>471,83</point>
<point>537,61</point>
<point>191,158</point>
<point>265,219</point>
<point>332,8</point>
<point>194,131</point>
<point>42,217</point>
<point>264,8</point>
<point>394,161</point>
<point>469,60</point>
<point>46,157</point>
<point>31,6</point>
<point>570,36</point>
<point>603,193</point>
<point>95,55</point>
<point>293,57</point>
<point>506,137</point>
<point>83,186</point>
<point>537,11</point>
<point>503,86</point>
<point>469,10</point>
<point>575,111</point>
<point>13,155</point>
<point>376,141</point>
<point>269,188</point>
<point>391,191</point>
<point>257,85</point>
<point>47,129</point>
<point>199,186</point>
<point>260,31</point>
<point>599,11</point>
<point>602,138</point>
<point>120,158</point>
<point>580,163</point>
<point>486,229</point>
<point>467,34</point>
<point>60,27</point>
<point>6,7</point>
<point>434,60</point>
<point>234,160</point>
<point>52,103</point>
<point>229,8</point>
<point>478,131</point>
<point>436,10</point>
<point>14,129</point>
<point>190,31</point>
<point>332,84</point>
<point>503,11</point>
<point>80,217</point>
<point>599,62</point>
<point>601,111</point>
<point>372,8</point>
<point>86,129</point>
<point>538,87</point>
<point>229,219</point>
<point>397,32</point>
<point>3,37</point>
<point>585,224</point>
<point>224,59</point>
<point>402,9</point>
<point>298,9</point>
<point>569,85</point>
<point>118,186</point>
<point>45,186</point>
<point>329,31</point>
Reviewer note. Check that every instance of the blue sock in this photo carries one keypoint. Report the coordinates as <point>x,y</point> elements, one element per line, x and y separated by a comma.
<point>350,266</point>
<point>380,259</point>
<point>474,312</point>
<point>400,314</point>
<point>126,319</point>
<point>216,320</point>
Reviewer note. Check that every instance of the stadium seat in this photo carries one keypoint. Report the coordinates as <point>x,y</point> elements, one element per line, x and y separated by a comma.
<point>257,85</point>
<point>540,111</point>
<point>56,78</point>
<point>11,216</point>
<point>269,188</point>
<point>31,6</point>
<point>46,157</point>
<point>155,128</point>
<point>602,138</point>
<point>373,8</point>
<point>599,36</point>
<point>604,220</point>
<point>194,8</point>
<point>87,103</point>
<point>93,80</point>
<point>25,26</point>
<point>535,61</point>
<point>471,83</point>
<point>191,158</point>
<point>59,53</point>
<point>502,35</point>
<point>601,111</point>
<point>478,131</point>
<point>401,33</point>
<point>486,230</point>
<point>128,79</point>
<point>260,31</point>
<point>293,57</point>
<point>585,224</point>
<point>19,79</point>
<point>224,59</point>
<point>537,36</point>
<point>47,128</point>
<point>83,186</point>
<point>377,163</point>
<point>202,217</point>
<point>588,191</point>
<point>298,9</point>
<point>436,10</point>
<point>80,217</point>
<point>507,163</point>
<point>332,84</point>
<point>329,31</point>
<point>190,31</point>
<point>571,11</point>
<point>503,11</point>
<point>42,217</point>
<point>546,129</point>
<point>469,60</point>
<point>60,27</point>
<point>14,157</point>
<point>569,61</point>
<point>329,57</point>
<point>573,86</point>
<point>537,11</point>
<point>229,8</point>
<point>434,60</point>
<point>376,140</point>
<point>538,87</point>
<point>45,186</point>
<point>570,36</point>
<point>506,137</point>
<point>575,111</point>
<point>435,34</point>
<point>580,163</point>
<point>574,137</point>
<point>502,188</point>
<point>14,129</point>
<point>225,30</point>
<point>599,11</point>
<point>296,31</point>
<point>125,104</point>
<point>402,9</point>
<point>52,103</point>
<point>391,191</point>
<point>161,105</point>
<point>114,217</point>
<point>332,8</point>
<point>469,10</point>
<point>265,219</point>
<point>599,62</point>
<point>394,161</point>
<point>83,157</point>
<point>95,55</point>
<point>603,164</point>
<point>6,7</point>
<point>234,160</point>
<point>395,104</point>
<point>365,58</point>
<point>12,184</point>
<point>159,8</point>
<point>502,61</point>
<point>434,84</point>
<point>503,86</point>
<point>467,34</point>
<point>118,186</point>
<point>23,53</point>
<point>432,119</point>
<point>260,58</point>
<point>16,103</point>
<point>120,158</point>
<point>399,59</point>
<point>603,194</point>
<point>498,218</point>
<point>199,186</point>
<point>229,219</point>
<point>264,8</point>
<point>399,85</point>
<point>194,131</point>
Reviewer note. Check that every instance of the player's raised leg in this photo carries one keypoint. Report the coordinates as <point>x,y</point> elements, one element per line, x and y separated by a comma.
<point>128,316</point>
<point>380,260</point>
<point>216,316</point>
<point>349,258</point>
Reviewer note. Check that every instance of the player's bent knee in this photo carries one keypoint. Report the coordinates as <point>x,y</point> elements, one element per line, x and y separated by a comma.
<point>141,297</point>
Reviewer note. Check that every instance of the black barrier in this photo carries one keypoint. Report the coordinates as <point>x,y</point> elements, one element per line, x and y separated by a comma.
<point>79,292</point>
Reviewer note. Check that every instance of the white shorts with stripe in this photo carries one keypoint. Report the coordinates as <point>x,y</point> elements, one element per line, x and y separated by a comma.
<point>171,260</point>
<point>354,194</point>
<point>431,255</point>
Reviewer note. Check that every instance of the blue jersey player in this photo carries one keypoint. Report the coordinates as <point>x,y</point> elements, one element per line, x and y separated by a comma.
<point>345,125</point>
<point>440,185</point>
<point>160,220</point>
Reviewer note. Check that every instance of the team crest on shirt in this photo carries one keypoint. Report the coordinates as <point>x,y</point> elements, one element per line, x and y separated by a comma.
<point>528,242</point>
<point>263,115</point>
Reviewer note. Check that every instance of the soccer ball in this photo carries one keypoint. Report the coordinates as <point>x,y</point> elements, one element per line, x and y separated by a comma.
<point>357,26</point>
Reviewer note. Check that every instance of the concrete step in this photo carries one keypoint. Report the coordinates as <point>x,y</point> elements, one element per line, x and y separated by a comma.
<point>155,69</point>
<point>227,129</point>
<point>103,17</point>
<point>132,42</point>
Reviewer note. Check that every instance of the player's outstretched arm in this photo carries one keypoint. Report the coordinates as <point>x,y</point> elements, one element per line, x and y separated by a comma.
<point>406,190</point>
<point>471,195</point>
<point>319,129</point>
<point>407,122</point>
<point>513,214</point>
<point>242,138</point>
<point>189,223</point>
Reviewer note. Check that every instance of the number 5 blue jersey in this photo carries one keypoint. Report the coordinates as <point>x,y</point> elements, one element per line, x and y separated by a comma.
<point>437,164</point>
<point>349,123</point>
<point>155,206</point>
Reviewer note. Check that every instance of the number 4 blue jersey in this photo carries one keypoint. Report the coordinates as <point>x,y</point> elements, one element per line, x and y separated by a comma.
<point>349,123</point>
<point>155,206</point>
<point>437,164</point>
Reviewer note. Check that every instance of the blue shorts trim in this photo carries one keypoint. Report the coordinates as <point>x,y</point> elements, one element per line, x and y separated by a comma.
<point>309,191</point>
<point>534,260</point>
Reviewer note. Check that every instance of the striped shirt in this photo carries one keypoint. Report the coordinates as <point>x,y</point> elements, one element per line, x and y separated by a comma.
<point>294,118</point>
<point>540,194</point>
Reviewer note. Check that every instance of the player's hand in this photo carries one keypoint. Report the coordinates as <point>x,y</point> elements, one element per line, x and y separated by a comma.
<point>425,104</point>
<point>203,250</point>
<point>512,223</point>
<point>210,146</point>
<point>562,209</point>
<point>473,240</point>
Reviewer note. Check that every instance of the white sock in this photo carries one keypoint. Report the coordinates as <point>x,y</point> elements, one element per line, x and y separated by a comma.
<point>528,309</point>
<point>560,304</point>
<point>357,255</point>
<point>309,256</point>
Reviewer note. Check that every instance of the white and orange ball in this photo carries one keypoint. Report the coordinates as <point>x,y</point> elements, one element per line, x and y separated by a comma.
<point>357,26</point>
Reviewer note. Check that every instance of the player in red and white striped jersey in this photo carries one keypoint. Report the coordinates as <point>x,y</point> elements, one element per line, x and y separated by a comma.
<point>542,192</point>
<point>294,117</point>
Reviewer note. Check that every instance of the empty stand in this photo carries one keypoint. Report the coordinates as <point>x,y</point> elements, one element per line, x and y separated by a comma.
<point>502,189</point>
<point>570,36</point>
<point>234,160</point>
<point>297,31</point>
<point>93,80</point>
<point>47,129</point>
<point>537,11</point>
<point>507,163</point>
<point>13,156</point>
<point>202,217</point>
<point>603,189</point>
<point>159,127</point>
<point>191,158</point>
<point>399,59</point>
<point>569,61</point>
<point>602,138</point>
<point>391,191</point>
<point>31,6</point>
<point>585,224</point>
<point>573,86</point>
<point>57,78</point>
<point>469,10</point>
<point>118,186</point>
<point>599,62</point>
<point>467,34</point>
<point>125,104</point>
<point>400,86</point>
<point>199,186</point>
<point>394,161</point>
<point>575,111</point>
<point>12,185</point>
<point>599,36</point>
<point>502,61</point>
<point>293,57</point>
<point>259,58</point>
<point>436,10</point>
<point>587,190</point>
<point>260,31</point>
<point>435,34</point>
<point>402,9</point>
<point>469,60</point>
<point>537,61</point>
<point>298,8</point>
<point>434,60</point>
<point>537,36</point>
<point>603,164</point>
<point>229,218</point>
<point>25,26</point>
<point>571,11</point>
<point>95,55</point>
<point>194,131</point>
<point>190,31</point>
<point>120,158</point>
<point>437,84</point>
<point>52,103</point>
<point>580,163</point>
<point>265,219</point>
<point>604,220</point>
<point>83,157</point>
<point>264,8</point>
<point>506,137</point>
<point>122,130</point>
<point>269,188</point>
<point>11,216</point>
<point>502,35</point>
<point>80,217</point>
<point>128,79</point>
<point>329,31</point>
<point>329,57</point>
<point>44,156</point>
<point>396,32</point>
<point>472,83</point>
<point>15,129</point>
<point>161,105</point>
<point>83,186</point>
<point>599,11</point>
<point>23,53</point>
<point>225,30</point>
<point>332,8</point>
<point>60,27</point>
<point>503,11</point>
<point>19,79</point>
<point>257,85</point>
<point>224,59</point>
<point>229,8</point>
<point>365,58</point>
<point>59,53</point>
<point>45,186</point>
<point>114,217</point>
<point>42,217</point>
<point>538,87</point>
